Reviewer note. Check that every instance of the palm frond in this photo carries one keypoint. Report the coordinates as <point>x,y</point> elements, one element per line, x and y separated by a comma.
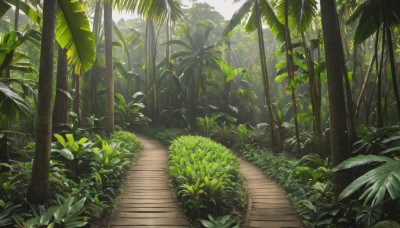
<point>74,34</point>
<point>237,17</point>
<point>11,104</point>
<point>272,20</point>
<point>377,182</point>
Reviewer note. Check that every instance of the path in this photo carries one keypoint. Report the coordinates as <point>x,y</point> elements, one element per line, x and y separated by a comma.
<point>268,203</point>
<point>147,200</point>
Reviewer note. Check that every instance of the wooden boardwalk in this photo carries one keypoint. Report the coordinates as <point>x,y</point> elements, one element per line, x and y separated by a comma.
<point>147,200</point>
<point>269,206</point>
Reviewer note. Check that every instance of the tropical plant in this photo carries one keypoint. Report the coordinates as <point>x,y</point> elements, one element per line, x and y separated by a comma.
<point>205,177</point>
<point>255,11</point>
<point>77,152</point>
<point>66,214</point>
<point>196,57</point>
<point>380,182</point>
<point>220,222</point>
<point>128,114</point>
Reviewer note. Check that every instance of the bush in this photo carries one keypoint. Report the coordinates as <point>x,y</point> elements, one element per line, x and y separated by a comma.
<point>205,177</point>
<point>83,171</point>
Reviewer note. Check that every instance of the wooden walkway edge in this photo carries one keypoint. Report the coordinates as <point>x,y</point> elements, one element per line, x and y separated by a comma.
<point>147,200</point>
<point>268,206</point>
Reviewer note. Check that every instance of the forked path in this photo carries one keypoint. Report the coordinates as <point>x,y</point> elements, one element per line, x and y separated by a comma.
<point>269,206</point>
<point>147,200</point>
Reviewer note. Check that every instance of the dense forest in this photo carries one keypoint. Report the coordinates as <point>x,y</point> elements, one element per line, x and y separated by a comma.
<point>306,90</point>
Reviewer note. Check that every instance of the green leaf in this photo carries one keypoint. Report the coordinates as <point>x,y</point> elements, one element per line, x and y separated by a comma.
<point>386,224</point>
<point>11,104</point>
<point>281,78</point>
<point>237,17</point>
<point>391,150</point>
<point>74,34</point>
<point>66,154</point>
<point>77,207</point>
<point>61,211</point>
<point>4,7</point>
<point>379,181</point>
<point>361,160</point>
<point>30,12</point>
<point>61,140</point>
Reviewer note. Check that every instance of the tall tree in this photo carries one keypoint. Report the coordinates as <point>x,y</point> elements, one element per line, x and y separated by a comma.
<point>337,105</point>
<point>39,182</point>
<point>60,112</point>
<point>109,68</point>
<point>376,15</point>
<point>258,9</point>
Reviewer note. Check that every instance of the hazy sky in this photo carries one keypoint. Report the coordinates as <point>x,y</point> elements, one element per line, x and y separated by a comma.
<point>225,7</point>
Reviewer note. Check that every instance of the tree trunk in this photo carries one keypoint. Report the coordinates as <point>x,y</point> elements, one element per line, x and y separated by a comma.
<point>392,60</point>
<point>77,98</point>
<point>337,106</point>
<point>379,113</point>
<point>290,67</point>
<point>109,69</point>
<point>16,17</point>
<point>264,71</point>
<point>151,69</point>
<point>93,78</point>
<point>364,86</point>
<point>39,183</point>
<point>60,112</point>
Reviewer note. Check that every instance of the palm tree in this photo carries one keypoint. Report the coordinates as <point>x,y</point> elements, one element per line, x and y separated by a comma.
<point>153,12</point>
<point>60,111</point>
<point>259,9</point>
<point>376,15</point>
<point>194,60</point>
<point>74,35</point>
<point>337,106</point>
<point>39,182</point>
<point>109,68</point>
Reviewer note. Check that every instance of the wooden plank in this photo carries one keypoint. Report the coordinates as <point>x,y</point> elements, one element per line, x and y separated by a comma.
<point>268,203</point>
<point>147,200</point>
<point>149,221</point>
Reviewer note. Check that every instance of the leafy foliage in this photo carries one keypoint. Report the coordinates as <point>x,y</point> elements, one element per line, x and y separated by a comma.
<point>205,177</point>
<point>85,177</point>
<point>74,34</point>
<point>220,222</point>
<point>306,181</point>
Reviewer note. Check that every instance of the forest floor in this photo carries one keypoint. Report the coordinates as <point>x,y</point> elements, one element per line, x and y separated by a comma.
<point>148,202</point>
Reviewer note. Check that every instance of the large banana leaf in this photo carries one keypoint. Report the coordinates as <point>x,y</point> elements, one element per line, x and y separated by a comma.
<point>28,11</point>
<point>371,18</point>
<point>378,182</point>
<point>74,34</point>
<point>237,17</point>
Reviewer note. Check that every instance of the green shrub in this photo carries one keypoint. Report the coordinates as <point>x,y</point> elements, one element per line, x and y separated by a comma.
<point>89,171</point>
<point>205,177</point>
